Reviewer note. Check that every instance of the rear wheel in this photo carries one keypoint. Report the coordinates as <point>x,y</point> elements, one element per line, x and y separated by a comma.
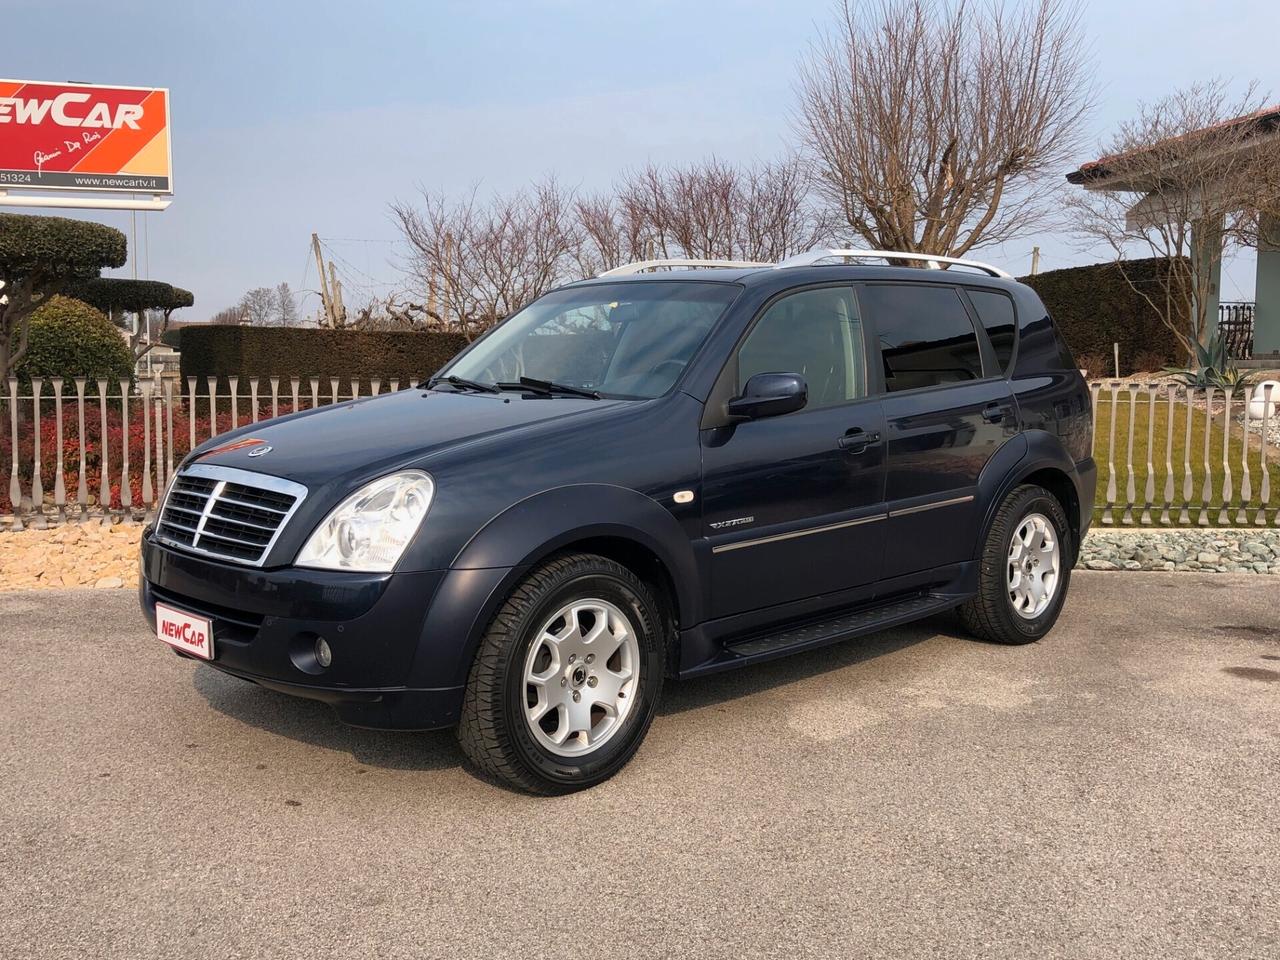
<point>1025,569</point>
<point>567,677</point>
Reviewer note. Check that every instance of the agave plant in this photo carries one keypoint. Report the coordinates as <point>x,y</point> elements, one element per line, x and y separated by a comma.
<point>1213,367</point>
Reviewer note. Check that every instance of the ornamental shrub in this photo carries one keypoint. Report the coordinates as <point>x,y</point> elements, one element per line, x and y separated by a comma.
<point>70,339</point>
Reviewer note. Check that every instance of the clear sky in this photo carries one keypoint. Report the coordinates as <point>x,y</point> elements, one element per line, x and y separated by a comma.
<point>293,117</point>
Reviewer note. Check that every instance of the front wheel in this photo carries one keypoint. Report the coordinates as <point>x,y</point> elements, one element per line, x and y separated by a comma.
<point>1025,568</point>
<point>567,677</point>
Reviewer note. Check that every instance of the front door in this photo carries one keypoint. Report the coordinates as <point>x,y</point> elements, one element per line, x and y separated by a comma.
<point>793,505</point>
<point>947,409</point>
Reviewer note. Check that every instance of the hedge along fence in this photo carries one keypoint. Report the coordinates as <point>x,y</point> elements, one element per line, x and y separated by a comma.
<point>345,355</point>
<point>1095,307</point>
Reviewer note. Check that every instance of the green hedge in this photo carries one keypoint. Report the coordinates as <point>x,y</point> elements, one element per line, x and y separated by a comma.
<point>241,351</point>
<point>71,339</point>
<point>1095,306</point>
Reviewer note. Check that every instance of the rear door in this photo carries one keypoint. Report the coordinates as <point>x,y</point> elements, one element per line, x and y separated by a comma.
<point>793,505</point>
<point>947,408</point>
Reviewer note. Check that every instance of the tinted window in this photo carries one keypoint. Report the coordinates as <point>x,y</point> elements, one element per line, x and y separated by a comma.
<point>815,333</point>
<point>926,337</point>
<point>995,310</point>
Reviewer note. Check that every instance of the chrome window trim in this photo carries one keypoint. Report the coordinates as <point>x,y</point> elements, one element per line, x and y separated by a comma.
<point>222,476</point>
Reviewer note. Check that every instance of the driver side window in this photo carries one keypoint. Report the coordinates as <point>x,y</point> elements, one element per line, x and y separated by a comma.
<point>816,334</point>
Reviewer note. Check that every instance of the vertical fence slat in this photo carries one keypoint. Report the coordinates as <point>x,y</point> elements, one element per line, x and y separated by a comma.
<point>191,412</point>
<point>333,389</point>
<point>234,383</point>
<point>1246,487</point>
<point>376,385</point>
<point>15,485</point>
<point>315,392</point>
<point>395,385</point>
<point>1170,393</point>
<point>294,383</point>
<point>104,473</point>
<point>59,482</point>
<point>1107,514</point>
<point>1130,489</point>
<point>82,492</point>
<point>213,406</point>
<point>37,482</point>
<point>1188,478</point>
<point>168,418</point>
<point>1206,492</point>
<point>1264,493</point>
<point>147,492</point>
<point>126,495</point>
<point>1149,493</point>
<point>253,397</point>
<point>413,384</point>
<point>355,389</point>
<point>1224,517</point>
<point>158,406</point>
<point>275,396</point>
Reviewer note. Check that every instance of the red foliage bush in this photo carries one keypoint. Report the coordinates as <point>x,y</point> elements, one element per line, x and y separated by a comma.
<point>93,447</point>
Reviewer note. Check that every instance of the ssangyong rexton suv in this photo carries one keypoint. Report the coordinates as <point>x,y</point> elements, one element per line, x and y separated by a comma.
<point>640,476</point>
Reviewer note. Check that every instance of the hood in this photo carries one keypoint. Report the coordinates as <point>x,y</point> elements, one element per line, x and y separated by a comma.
<point>378,434</point>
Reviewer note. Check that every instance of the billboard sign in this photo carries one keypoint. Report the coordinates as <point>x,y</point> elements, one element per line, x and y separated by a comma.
<point>84,137</point>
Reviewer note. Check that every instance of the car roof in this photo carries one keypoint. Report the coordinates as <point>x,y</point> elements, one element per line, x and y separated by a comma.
<point>782,278</point>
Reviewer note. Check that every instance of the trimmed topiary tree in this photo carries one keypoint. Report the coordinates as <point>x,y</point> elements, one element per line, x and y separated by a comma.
<point>120,294</point>
<point>38,257</point>
<point>67,338</point>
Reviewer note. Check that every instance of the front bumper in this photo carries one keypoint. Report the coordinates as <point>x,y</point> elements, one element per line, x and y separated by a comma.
<point>265,625</point>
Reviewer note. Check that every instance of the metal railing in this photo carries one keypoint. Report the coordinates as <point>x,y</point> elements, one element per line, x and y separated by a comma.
<point>1167,455</point>
<point>1235,323</point>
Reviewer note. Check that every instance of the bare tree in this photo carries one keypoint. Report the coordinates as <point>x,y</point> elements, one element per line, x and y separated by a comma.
<point>481,260</point>
<point>937,127</point>
<point>1184,181</point>
<point>258,307</point>
<point>229,315</point>
<point>286,306</point>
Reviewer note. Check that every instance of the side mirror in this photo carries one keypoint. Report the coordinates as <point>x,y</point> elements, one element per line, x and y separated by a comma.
<point>769,395</point>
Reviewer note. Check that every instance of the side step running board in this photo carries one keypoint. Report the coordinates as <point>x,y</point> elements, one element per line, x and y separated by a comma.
<point>842,627</point>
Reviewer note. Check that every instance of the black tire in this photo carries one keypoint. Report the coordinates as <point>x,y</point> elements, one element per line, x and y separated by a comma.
<point>493,732</point>
<point>991,615</point>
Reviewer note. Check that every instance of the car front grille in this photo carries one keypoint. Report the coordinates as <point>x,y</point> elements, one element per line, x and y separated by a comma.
<point>227,513</point>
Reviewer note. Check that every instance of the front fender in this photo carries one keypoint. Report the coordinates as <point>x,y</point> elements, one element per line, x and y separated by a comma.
<point>501,553</point>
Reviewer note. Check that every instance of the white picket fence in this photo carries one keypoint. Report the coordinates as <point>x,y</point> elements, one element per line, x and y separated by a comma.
<point>1167,455</point>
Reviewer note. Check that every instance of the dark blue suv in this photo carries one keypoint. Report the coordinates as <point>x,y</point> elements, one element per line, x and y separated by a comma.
<point>669,470</point>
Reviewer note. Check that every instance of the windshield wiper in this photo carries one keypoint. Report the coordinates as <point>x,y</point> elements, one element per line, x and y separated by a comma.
<point>463,383</point>
<point>547,387</point>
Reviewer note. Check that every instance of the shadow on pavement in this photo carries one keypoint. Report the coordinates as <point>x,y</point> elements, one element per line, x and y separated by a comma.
<point>312,722</point>
<point>315,723</point>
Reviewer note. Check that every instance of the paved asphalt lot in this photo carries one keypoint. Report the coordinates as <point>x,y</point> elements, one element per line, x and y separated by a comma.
<point>1112,791</point>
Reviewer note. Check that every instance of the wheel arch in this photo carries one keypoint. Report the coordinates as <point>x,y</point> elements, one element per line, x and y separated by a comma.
<point>615,522</point>
<point>1043,461</point>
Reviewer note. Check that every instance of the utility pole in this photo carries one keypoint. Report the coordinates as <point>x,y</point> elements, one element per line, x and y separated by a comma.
<point>1035,260</point>
<point>325,299</point>
<point>339,311</point>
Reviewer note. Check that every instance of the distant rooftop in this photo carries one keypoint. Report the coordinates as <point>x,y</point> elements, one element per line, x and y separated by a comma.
<point>1261,121</point>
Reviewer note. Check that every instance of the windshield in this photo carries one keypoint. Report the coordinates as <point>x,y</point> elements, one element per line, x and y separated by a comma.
<point>628,340</point>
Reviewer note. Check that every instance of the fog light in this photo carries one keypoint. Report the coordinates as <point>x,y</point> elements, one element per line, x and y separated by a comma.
<point>324,656</point>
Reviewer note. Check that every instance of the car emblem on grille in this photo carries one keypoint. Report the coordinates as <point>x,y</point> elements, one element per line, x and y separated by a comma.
<point>259,451</point>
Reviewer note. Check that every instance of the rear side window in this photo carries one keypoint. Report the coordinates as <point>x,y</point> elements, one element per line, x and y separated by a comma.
<point>995,310</point>
<point>926,336</point>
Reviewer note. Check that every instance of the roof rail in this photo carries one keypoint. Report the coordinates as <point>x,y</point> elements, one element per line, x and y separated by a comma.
<point>935,261</point>
<point>642,265</point>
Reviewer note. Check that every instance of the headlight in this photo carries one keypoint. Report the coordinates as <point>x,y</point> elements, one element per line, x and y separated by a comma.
<point>370,529</point>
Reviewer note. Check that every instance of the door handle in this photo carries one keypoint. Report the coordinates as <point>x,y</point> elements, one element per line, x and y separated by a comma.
<point>857,440</point>
<point>995,412</point>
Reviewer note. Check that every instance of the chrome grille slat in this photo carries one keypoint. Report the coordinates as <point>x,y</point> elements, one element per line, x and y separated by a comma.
<point>240,514</point>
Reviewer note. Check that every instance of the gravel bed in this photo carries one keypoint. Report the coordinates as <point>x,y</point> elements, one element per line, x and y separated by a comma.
<point>1203,551</point>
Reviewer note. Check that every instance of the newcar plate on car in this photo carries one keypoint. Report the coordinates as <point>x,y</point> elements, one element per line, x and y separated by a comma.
<point>184,631</point>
